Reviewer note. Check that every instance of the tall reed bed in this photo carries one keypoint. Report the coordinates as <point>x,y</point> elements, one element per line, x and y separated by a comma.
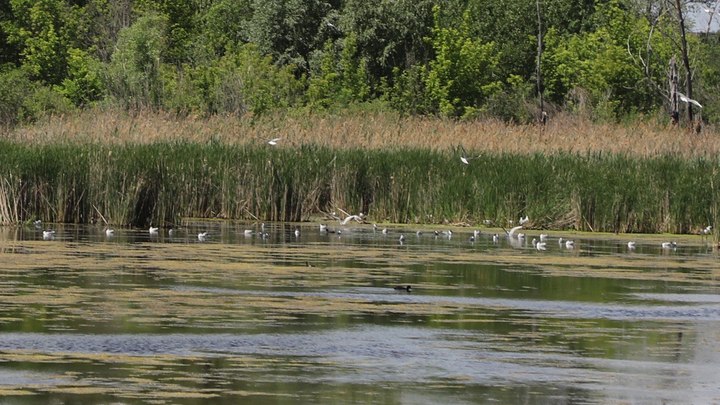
<point>375,131</point>
<point>159,183</point>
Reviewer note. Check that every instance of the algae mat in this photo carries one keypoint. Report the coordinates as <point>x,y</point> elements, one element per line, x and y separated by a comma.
<point>276,318</point>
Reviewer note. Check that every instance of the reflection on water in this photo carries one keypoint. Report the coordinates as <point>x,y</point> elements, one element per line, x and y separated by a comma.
<point>268,316</point>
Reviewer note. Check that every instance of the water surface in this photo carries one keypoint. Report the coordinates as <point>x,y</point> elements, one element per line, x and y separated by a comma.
<point>315,318</point>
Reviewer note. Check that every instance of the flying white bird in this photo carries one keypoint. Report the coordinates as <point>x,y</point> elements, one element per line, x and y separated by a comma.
<point>202,236</point>
<point>513,230</point>
<point>154,230</point>
<point>524,220</point>
<point>464,157</point>
<point>48,235</point>
<point>273,141</point>
<point>109,232</point>
<point>631,245</point>
<point>686,99</point>
<point>358,218</point>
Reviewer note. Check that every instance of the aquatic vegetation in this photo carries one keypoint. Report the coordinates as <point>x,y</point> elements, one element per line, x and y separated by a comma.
<point>159,183</point>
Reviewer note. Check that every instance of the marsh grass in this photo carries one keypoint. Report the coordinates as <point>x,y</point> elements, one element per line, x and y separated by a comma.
<point>161,182</point>
<point>375,131</point>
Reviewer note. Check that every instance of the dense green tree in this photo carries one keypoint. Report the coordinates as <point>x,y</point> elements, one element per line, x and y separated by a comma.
<point>134,74</point>
<point>44,31</point>
<point>464,72</point>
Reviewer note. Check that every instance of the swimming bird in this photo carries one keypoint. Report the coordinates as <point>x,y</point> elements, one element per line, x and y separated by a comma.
<point>669,245</point>
<point>248,232</point>
<point>418,233</point>
<point>472,238</point>
<point>153,230</point>
<point>48,235</point>
<point>407,288</point>
<point>109,232</point>
<point>539,245</point>
<point>273,141</point>
<point>631,245</point>
<point>385,231</point>
<point>687,99</point>
<point>402,239</point>
<point>202,236</point>
<point>323,228</point>
<point>496,238</point>
<point>569,244</point>
<point>449,234</point>
<point>543,237</point>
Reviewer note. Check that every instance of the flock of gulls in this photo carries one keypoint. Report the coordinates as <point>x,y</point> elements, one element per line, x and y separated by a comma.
<point>515,237</point>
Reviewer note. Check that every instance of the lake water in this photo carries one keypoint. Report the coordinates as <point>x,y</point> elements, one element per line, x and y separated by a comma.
<point>315,318</point>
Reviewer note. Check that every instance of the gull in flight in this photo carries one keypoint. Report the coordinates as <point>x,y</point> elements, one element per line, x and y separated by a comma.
<point>109,232</point>
<point>524,220</point>
<point>465,158</point>
<point>513,230</point>
<point>273,141</point>
<point>48,235</point>
<point>358,218</point>
<point>202,236</point>
<point>154,230</point>
<point>687,99</point>
<point>631,245</point>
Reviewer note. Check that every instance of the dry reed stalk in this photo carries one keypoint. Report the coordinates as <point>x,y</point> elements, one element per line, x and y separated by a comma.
<point>375,131</point>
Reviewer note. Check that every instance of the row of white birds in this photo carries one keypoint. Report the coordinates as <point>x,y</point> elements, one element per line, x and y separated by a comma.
<point>514,236</point>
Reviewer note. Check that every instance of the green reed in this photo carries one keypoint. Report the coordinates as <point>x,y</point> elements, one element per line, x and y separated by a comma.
<point>160,183</point>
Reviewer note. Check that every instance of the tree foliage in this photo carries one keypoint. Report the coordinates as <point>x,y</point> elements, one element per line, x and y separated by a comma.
<point>455,58</point>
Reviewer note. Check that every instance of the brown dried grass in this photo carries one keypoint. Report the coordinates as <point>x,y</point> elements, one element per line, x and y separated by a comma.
<point>376,131</point>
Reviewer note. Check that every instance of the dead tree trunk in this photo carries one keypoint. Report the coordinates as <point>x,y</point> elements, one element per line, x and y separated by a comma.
<point>686,61</point>
<point>543,114</point>
<point>673,79</point>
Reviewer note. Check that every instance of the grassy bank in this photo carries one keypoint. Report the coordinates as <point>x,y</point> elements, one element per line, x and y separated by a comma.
<point>160,182</point>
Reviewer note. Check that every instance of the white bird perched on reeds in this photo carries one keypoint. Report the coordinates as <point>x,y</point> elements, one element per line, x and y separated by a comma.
<point>687,99</point>
<point>669,245</point>
<point>273,141</point>
<point>202,236</point>
<point>539,245</point>
<point>631,245</point>
<point>153,230</point>
<point>48,235</point>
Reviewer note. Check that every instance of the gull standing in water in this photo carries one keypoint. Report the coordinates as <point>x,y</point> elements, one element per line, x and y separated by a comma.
<point>539,245</point>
